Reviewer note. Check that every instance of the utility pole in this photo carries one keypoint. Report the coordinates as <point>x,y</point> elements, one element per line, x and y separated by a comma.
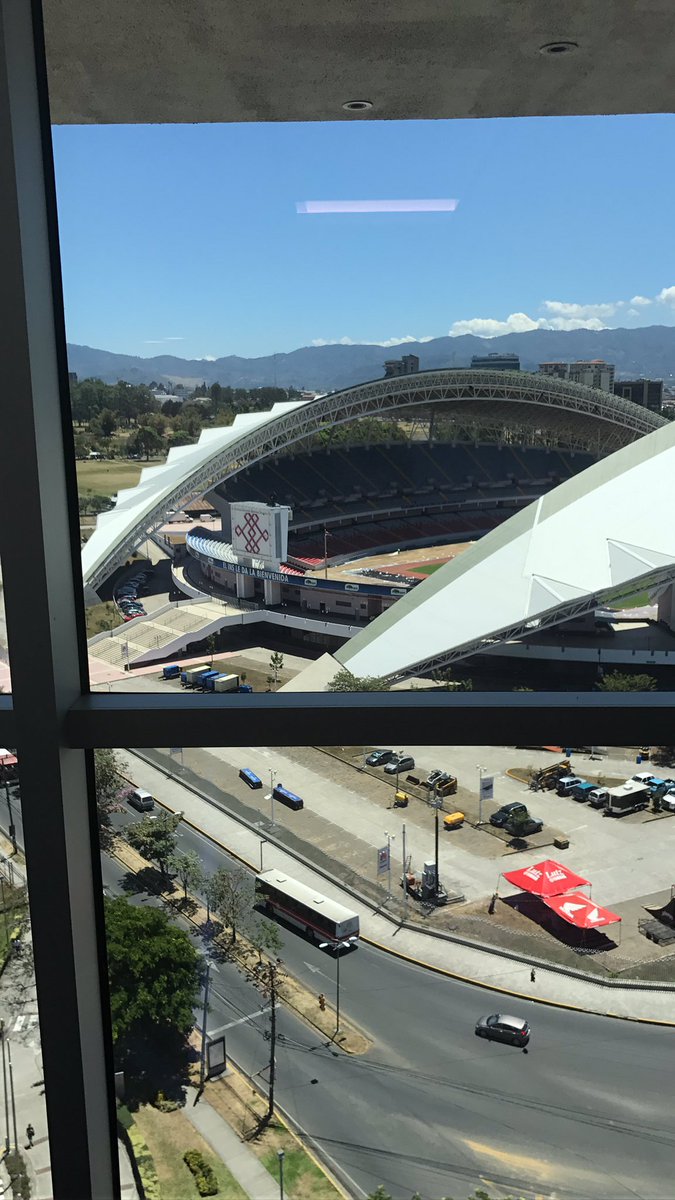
<point>480,793</point>
<point>405,875</point>
<point>270,984</point>
<point>280,1156</point>
<point>202,1061</point>
<point>337,947</point>
<point>325,552</point>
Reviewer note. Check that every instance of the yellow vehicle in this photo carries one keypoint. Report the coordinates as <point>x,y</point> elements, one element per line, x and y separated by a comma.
<point>453,820</point>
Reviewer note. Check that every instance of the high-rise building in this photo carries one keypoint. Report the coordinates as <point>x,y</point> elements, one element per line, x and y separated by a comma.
<point>559,369</point>
<point>647,392</point>
<point>409,364</point>
<point>594,373</point>
<point>495,362</point>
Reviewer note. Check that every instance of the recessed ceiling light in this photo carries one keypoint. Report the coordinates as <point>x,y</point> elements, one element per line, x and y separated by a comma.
<point>557,48</point>
<point>357,105</point>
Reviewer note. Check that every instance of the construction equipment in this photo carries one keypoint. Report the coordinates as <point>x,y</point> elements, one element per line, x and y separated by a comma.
<point>547,777</point>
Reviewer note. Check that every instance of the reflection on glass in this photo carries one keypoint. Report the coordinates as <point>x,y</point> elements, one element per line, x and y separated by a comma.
<point>5,675</point>
<point>246,884</point>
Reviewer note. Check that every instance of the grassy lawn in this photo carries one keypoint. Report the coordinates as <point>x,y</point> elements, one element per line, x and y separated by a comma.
<point>639,600</point>
<point>102,616</point>
<point>107,478</point>
<point>168,1136</point>
<point>302,1178</point>
<point>427,569</point>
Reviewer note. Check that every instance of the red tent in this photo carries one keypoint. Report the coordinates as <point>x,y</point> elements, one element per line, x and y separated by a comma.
<point>580,911</point>
<point>548,878</point>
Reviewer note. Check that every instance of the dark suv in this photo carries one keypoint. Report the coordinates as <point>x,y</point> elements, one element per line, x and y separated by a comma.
<point>503,815</point>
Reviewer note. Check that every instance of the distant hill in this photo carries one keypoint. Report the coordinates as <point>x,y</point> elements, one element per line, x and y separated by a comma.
<point>649,351</point>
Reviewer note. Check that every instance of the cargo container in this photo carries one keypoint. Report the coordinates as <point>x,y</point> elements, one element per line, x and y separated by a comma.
<point>250,778</point>
<point>288,798</point>
<point>226,683</point>
<point>171,672</point>
<point>190,675</point>
<point>206,680</point>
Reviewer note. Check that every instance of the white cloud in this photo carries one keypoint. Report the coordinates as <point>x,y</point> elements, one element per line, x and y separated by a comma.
<point>560,308</point>
<point>207,358</point>
<point>490,327</point>
<point>640,301</point>
<point>666,296</point>
<point>159,341</point>
<point>393,341</point>
<point>575,323</point>
<point>632,312</point>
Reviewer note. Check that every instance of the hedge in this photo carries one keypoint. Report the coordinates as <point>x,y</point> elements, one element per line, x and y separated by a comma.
<point>205,1176</point>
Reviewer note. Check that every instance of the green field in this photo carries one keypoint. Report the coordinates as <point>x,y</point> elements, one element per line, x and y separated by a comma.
<point>639,600</point>
<point>428,569</point>
<point>108,478</point>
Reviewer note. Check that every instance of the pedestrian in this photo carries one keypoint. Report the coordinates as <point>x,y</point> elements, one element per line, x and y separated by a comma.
<point>493,904</point>
<point>30,1134</point>
<point>533,975</point>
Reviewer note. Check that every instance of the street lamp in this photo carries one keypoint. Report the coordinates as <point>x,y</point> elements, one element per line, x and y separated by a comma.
<point>391,837</point>
<point>345,944</point>
<point>280,1156</point>
<point>399,756</point>
<point>437,802</point>
<point>480,793</point>
<point>202,1061</point>
<point>273,776</point>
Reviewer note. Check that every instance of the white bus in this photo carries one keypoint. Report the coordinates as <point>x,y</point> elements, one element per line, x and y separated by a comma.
<point>317,916</point>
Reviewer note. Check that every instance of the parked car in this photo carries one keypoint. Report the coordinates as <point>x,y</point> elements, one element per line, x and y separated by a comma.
<point>667,802</point>
<point>501,817</point>
<point>501,1028</point>
<point>378,758</point>
<point>525,828</point>
<point>402,762</point>
<point>436,778</point>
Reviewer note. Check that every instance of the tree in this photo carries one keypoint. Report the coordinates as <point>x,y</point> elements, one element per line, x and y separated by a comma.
<point>145,441</point>
<point>107,422</point>
<point>345,681</point>
<point>108,768</point>
<point>235,898</point>
<point>211,645</point>
<point>211,894</point>
<point>265,938</point>
<point>615,681</point>
<point>155,974</point>
<point>276,665</point>
<point>188,867</point>
<point>155,838</point>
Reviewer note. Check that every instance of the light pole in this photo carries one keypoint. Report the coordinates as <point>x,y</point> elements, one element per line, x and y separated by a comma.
<point>12,828</point>
<point>391,837</point>
<point>202,1061</point>
<point>437,801</point>
<point>405,874</point>
<point>273,776</point>
<point>345,944</point>
<point>262,843</point>
<point>280,1156</point>
<point>480,793</point>
<point>4,1085</point>
<point>398,759</point>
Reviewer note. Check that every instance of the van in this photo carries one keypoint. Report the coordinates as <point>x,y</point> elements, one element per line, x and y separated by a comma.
<point>582,792</point>
<point>567,785</point>
<point>598,797</point>
<point>140,800</point>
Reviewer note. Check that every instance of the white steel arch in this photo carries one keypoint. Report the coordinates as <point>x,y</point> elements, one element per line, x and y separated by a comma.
<point>221,453</point>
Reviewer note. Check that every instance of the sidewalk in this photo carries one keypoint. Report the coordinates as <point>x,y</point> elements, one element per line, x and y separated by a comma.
<point>646,1002</point>
<point>237,1156</point>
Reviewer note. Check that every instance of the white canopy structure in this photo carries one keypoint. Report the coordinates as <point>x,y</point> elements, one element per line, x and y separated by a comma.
<point>606,533</point>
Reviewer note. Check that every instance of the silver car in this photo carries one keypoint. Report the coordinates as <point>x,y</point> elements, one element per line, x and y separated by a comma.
<point>501,1028</point>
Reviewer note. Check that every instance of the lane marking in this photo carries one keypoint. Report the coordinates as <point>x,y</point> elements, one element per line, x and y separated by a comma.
<point>260,1012</point>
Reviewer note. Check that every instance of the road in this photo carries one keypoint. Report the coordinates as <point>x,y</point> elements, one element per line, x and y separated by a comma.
<point>585,1114</point>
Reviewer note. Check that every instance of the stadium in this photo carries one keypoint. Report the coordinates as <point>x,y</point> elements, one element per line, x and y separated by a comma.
<point>324,514</point>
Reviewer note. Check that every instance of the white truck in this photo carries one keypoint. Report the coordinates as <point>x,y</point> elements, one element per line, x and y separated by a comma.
<point>629,797</point>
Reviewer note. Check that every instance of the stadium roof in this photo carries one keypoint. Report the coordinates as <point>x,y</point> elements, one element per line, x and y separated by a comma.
<point>220,453</point>
<point>607,532</point>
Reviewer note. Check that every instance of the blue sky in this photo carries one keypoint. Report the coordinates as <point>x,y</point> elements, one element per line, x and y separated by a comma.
<point>186,240</point>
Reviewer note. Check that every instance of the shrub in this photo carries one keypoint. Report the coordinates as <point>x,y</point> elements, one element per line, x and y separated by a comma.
<point>18,1175</point>
<point>205,1176</point>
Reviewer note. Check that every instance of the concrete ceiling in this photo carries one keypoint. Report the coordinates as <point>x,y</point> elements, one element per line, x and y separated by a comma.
<point>217,60</point>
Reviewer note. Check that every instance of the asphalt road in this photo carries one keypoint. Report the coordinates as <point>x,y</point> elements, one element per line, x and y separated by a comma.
<point>585,1114</point>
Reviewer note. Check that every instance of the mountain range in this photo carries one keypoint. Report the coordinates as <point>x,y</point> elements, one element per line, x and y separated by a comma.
<point>649,352</point>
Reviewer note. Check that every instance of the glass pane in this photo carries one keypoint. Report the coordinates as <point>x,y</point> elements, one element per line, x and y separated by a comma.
<point>280,875</point>
<point>402,476</point>
<point>5,675</point>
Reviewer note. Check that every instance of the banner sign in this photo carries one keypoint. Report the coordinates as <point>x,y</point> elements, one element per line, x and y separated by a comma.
<point>383,860</point>
<point>487,787</point>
